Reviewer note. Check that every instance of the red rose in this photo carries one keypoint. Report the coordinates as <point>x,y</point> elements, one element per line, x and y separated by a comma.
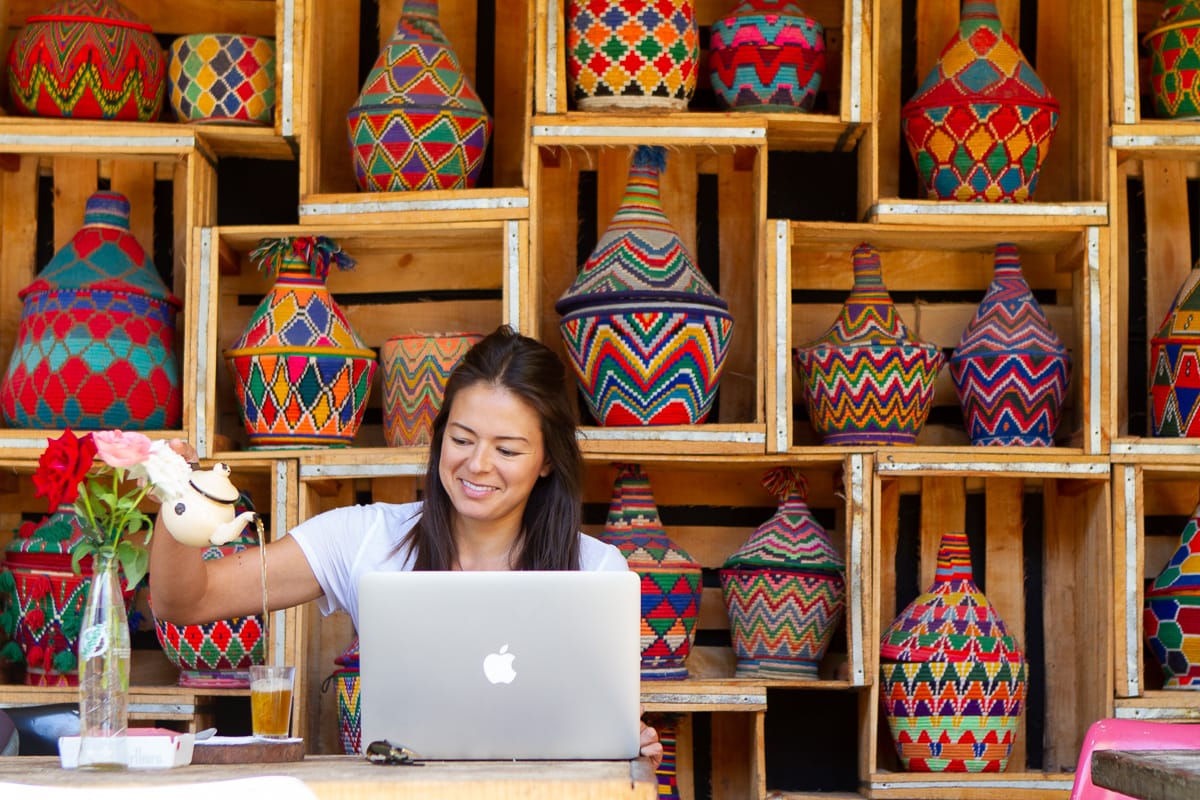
<point>62,466</point>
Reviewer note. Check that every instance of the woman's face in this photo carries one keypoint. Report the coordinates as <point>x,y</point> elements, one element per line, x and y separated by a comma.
<point>492,455</point>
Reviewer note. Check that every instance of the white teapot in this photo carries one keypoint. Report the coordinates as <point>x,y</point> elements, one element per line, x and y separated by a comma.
<point>204,513</point>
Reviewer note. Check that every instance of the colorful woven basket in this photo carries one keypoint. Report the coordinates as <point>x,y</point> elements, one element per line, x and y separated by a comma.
<point>1171,618</point>
<point>1010,368</point>
<point>785,588</point>
<point>42,599</point>
<point>222,77</point>
<point>645,332</point>
<point>952,680</point>
<point>670,577</point>
<point>418,123</point>
<point>301,373</point>
<point>632,54</point>
<point>96,340</point>
<point>1174,47</point>
<point>1175,364</point>
<point>980,126</point>
<point>345,678</point>
<point>216,654</point>
<point>867,380</point>
<point>766,55</point>
<point>89,59</point>
<point>415,371</point>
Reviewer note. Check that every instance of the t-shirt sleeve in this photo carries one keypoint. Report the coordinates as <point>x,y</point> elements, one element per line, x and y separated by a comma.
<point>331,541</point>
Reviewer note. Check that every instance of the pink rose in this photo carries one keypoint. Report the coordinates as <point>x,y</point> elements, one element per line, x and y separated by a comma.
<point>121,448</point>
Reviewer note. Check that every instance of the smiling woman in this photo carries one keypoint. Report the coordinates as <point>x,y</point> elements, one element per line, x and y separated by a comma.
<point>502,492</point>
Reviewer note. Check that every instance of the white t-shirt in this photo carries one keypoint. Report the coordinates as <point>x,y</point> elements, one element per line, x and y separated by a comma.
<point>344,543</point>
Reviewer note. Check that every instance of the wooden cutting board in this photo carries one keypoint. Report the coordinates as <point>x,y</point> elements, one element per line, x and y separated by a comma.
<point>256,752</point>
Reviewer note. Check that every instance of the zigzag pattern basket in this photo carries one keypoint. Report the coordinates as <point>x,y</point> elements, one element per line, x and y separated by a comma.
<point>632,54</point>
<point>415,371</point>
<point>1010,369</point>
<point>867,380</point>
<point>953,716</point>
<point>646,334</point>
<point>980,126</point>
<point>349,707</point>
<point>88,59</point>
<point>670,577</point>
<point>222,77</point>
<point>785,588</point>
<point>418,122</point>
<point>767,55</point>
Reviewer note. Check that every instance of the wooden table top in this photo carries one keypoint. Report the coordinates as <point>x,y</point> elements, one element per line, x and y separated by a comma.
<point>353,778</point>
<point>1149,774</point>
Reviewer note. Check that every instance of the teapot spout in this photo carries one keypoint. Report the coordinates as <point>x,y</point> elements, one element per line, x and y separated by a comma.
<point>230,530</point>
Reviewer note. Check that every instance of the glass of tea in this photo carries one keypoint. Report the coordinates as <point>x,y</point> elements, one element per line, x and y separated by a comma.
<point>271,700</point>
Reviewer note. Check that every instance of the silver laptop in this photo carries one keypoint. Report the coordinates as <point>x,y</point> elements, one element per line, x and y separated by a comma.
<point>501,665</point>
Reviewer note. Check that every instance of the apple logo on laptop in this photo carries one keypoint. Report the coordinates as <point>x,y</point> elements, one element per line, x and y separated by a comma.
<point>498,666</point>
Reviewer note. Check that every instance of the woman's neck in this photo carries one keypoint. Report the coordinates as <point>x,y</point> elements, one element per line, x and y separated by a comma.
<point>485,548</point>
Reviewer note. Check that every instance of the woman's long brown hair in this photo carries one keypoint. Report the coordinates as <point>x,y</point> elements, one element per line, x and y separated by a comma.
<point>549,537</point>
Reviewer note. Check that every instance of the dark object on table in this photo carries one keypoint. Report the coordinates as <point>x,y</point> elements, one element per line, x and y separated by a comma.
<point>38,727</point>
<point>10,740</point>
<point>384,752</point>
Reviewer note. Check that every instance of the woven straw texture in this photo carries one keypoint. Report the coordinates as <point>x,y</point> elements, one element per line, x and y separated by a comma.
<point>222,77</point>
<point>670,577</point>
<point>640,54</point>
<point>301,373</point>
<point>415,371</point>
<point>784,589</point>
<point>980,125</point>
<point>767,55</point>
<point>1171,618</point>
<point>1175,365</point>
<point>91,59</point>
<point>867,380</point>
<point>1010,368</point>
<point>1174,47</point>
<point>418,122</point>
<point>646,334</point>
<point>96,340</point>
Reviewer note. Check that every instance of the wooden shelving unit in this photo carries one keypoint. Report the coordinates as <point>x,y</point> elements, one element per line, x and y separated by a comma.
<point>1070,534</point>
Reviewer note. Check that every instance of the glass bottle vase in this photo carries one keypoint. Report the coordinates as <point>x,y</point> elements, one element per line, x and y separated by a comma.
<point>104,672</point>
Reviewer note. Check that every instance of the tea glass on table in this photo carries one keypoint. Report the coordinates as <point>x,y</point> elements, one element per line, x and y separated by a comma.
<point>271,700</point>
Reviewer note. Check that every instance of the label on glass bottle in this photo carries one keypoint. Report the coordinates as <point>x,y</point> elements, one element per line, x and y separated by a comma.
<point>93,642</point>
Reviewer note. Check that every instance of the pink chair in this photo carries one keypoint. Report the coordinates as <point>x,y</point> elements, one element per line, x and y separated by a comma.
<point>1127,734</point>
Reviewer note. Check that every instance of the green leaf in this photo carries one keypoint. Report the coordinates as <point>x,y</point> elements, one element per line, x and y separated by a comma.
<point>83,549</point>
<point>134,561</point>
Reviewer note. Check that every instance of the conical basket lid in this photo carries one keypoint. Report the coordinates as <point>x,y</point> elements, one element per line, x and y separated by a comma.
<point>640,256</point>
<point>951,620</point>
<point>418,66</point>
<point>868,317</point>
<point>1183,320</point>
<point>981,62</point>
<point>299,311</point>
<point>1009,318</point>
<point>104,12</point>
<point>792,538</point>
<point>1179,14</point>
<point>103,255</point>
<point>634,527</point>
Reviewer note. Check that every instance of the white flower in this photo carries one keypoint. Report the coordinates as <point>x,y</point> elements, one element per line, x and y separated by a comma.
<point>166,470</point>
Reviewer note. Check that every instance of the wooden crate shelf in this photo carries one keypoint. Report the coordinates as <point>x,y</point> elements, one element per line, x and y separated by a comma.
<point>409,278</point>
<point>1039,537</point>
<point>808,262</point>
<point>835,125</point>
<point>1070,58</point>
<point>331,42</point>
<point>144,174</point>
<point>269,18</point>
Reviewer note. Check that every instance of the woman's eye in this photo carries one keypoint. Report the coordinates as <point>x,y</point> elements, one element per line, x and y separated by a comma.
<point>458,440</point>
<point>504,451</point>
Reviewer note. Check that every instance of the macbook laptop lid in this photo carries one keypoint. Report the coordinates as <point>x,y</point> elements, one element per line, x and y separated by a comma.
<point>501,665</point>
